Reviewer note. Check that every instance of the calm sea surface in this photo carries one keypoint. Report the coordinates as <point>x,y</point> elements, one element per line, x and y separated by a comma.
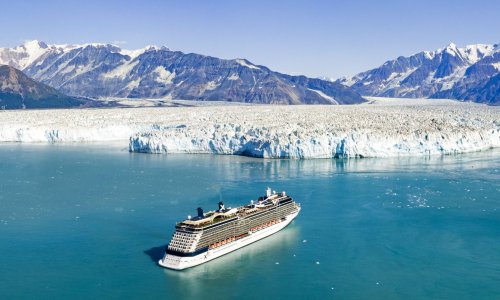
<point>90,222</point>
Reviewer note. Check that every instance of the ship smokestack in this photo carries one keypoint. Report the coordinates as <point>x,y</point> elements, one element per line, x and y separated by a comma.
<point>200,212</point>
<point>221,206</point>
<point>268,192</point>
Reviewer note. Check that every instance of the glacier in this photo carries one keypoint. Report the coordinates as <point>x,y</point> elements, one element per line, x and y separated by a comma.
<point>380,128</point>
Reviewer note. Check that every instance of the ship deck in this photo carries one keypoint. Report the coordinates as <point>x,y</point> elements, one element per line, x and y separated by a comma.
<point>215,217</point>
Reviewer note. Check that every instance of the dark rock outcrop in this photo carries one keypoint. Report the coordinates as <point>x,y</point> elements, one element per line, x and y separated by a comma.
<point>18,91</point>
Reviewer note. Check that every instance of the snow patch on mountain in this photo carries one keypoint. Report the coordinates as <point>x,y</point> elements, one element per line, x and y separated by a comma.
<point>247,64</point>
<point>23,55</point>
<point>233,77</point>
<point>135,53</point>
<point>121,71</point>
<point>133,84</point>
<point>211,85</point>
<point>65,69</point>
<point>474,53</point>
<point>324,95</point>
<point>34,49</point>
<point>164,75</point>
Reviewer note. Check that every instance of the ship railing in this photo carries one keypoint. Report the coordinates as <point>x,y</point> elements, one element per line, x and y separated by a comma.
<point>204,224</point>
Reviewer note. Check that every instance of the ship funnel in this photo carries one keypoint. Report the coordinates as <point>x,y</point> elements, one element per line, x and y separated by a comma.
<point>221,206</point>
<point>268,192</point>
<point>200,212</point>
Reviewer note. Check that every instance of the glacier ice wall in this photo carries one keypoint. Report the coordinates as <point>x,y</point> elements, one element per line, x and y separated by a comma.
<point>378,130</point>
<point>392,128</point>
<point>299,143</point>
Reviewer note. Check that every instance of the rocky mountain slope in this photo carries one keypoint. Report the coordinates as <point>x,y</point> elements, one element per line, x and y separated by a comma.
<point>469,73</point>
<point>19,91</point>
<point>103,70</point>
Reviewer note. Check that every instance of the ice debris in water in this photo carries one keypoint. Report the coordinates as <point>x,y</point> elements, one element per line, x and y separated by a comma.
<point>416,201</point>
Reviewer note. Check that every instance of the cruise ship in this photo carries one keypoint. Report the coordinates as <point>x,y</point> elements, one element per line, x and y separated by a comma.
<point>207,236</point>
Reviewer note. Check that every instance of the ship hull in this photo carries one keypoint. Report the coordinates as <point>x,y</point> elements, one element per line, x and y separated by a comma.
<point>180,263</point>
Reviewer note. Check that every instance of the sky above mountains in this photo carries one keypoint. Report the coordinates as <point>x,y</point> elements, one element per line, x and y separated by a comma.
<point>314,38</point>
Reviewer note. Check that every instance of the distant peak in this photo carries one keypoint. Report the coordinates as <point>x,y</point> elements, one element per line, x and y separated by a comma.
<point>155,48</point>
<point>37,45</point>
<point>451,49</point>
<point>429,54</point>
<point>246,63</point>
<point>451,46</point>
<point>34,44</point>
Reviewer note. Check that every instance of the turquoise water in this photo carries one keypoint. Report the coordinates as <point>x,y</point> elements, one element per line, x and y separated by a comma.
<point>89,222</point>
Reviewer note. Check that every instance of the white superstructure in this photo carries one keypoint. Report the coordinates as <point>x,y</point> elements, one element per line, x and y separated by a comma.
<point>211,235</point>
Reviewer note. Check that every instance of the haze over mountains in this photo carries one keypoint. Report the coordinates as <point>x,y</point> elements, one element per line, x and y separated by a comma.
<point>103,70</point>
<point>469,73</point>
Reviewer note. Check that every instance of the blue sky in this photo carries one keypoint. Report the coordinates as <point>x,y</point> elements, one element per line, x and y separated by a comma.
<point>315,38</point>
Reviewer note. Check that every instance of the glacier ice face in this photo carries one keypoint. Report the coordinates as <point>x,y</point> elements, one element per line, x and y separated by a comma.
<point>383,128</point>
<point>262,142</point>
<point>393,129</point>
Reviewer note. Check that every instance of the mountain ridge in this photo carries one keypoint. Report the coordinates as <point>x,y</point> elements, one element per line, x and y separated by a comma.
<point>105,70</point>
<point>449,72</point>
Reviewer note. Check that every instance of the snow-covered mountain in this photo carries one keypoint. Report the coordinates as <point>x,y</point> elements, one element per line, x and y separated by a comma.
<point>469,73</point>
<point>104,70</point>
<point>19,91</point>
<point>22,56</point>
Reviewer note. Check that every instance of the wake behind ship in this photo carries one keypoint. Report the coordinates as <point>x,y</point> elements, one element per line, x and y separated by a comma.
<point>210,235</point>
